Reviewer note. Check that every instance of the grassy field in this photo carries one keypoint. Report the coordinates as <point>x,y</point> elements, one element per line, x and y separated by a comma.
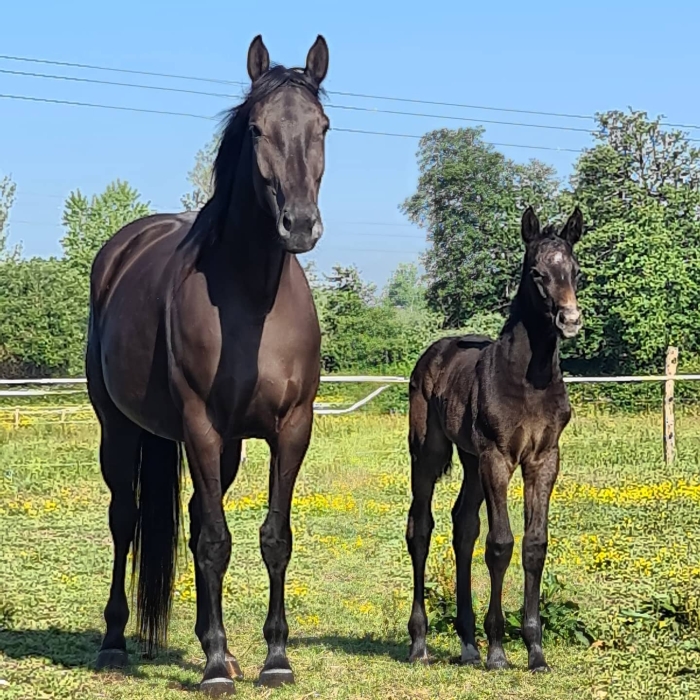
<point>625,546</point>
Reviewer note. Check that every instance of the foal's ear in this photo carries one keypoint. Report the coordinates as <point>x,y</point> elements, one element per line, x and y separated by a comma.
<point>258,58</point>
<point>317,60</point>
<point>530,227</point>
<point>573,228</point>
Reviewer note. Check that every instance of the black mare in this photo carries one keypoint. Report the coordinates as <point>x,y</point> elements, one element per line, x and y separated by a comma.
<point>203,331</point>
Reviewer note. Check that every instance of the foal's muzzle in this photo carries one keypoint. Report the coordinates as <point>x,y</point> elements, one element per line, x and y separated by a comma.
<point>569,321</point>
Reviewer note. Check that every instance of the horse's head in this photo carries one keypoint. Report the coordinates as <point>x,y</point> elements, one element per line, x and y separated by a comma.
<point>551,270</point>
<point>287,126</point>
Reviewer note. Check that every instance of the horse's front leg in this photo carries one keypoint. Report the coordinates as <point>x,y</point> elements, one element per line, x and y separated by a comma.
<point>212,549</point>
<point>495,471</point>
<point>287,452</point>
<point>539,476</point>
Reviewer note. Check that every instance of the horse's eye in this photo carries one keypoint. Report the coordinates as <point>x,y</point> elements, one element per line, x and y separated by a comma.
<point>538,275</point>
<point>255,131</point>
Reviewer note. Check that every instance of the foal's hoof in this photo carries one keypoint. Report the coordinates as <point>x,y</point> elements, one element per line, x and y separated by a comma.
<point>216,687</point>
<point>233,667</point>
<point>111,659</point>
<point>470,655</point>
<point>275,677</point>
<point>497,661</point>
<point>419,655</point>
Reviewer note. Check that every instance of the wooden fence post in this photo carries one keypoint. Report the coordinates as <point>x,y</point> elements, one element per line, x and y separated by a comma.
<point>669,416</point>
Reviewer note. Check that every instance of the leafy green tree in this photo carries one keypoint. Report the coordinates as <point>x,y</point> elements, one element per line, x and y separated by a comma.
<point>360,334</point>
<point>91,222</point>
<point>201,177</point>
<point>406,288</point>
<point>640,189</point>
<point>7,198</point>
<point>470,199</point>
<point>43,318</point>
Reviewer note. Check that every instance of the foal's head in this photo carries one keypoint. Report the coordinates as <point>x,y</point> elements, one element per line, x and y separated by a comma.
<point>551,271</point>
<point>283,123</point>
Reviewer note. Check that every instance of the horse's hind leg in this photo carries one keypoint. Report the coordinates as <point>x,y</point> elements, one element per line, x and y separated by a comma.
<point>119,456</point>
<point>431,452</point>
<point>230,461</point>
<point>465,520</point>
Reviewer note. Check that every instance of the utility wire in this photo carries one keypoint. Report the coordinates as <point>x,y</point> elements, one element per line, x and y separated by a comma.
<point>342,93</point>
<point>353,108</point>
<point>163,112</point>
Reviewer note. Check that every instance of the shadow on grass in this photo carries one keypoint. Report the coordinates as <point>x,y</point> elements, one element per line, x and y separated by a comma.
<point>78,649</point>
<point>365,645</point>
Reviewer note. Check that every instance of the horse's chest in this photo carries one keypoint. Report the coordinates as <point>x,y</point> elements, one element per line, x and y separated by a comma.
<point>537,427</point>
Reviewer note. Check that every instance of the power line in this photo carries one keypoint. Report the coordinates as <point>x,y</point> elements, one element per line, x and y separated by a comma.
<point>120,108</point>
<point>408,100</point>
<point>329,226</point>
<point>221,95</point>
<point>162,112</point>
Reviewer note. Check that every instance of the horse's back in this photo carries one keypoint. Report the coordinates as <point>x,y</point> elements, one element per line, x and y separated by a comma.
<point>144,243</point>
<point>131,279</point>
<point>448,365</point>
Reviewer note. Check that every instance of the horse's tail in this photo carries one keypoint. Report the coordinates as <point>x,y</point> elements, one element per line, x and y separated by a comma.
<point>156,538</point>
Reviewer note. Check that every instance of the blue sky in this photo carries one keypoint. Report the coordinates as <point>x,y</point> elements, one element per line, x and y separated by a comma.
<point>558,57</point>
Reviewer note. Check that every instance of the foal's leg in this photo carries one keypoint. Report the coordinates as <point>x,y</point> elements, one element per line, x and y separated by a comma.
<point>230,460</point>
<point>431,452</point>
<point>287,453</point>
<point>539,476</point>
<point>495,473</point>
<point>213,547</point>
<point>119,456</point>
<point>465,519</point>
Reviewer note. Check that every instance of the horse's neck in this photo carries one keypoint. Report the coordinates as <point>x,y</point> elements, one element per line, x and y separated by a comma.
<point>530,346</point>
<point>247,254</point>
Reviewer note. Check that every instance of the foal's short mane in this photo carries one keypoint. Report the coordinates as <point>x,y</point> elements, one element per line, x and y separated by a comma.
<point>235,127</point>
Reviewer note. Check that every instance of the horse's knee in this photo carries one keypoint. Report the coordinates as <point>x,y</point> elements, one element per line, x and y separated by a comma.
<point>275,543</point>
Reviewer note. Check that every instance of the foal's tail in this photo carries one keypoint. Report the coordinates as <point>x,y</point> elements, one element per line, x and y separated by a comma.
<point>156,537</point>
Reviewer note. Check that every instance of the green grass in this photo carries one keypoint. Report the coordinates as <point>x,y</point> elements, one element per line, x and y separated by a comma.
<point>625,541</point>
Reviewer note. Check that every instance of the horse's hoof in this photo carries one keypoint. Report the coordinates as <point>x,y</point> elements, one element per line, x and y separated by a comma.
<point>216,687</point>
<point>470,655</point>
<point>111,658</point>
<point>233,668</point>
<point>497,662</point>
<point>419,655</point>
<point>275,677</point>
<point>540,668</point>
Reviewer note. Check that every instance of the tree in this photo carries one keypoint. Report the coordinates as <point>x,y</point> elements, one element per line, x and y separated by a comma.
<point>405,288</point>
<point>201,177</point>
<point>360,334</point>
<point>90,223</point>
<point>7,198</point>
<point>640,190</point>
<point>470,199</point>
<point>43,318</point>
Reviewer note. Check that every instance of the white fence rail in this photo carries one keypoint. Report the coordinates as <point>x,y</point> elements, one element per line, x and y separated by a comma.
<point>62,386</point>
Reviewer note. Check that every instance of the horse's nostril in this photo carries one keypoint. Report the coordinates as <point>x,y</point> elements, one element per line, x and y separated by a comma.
<point>287,222</point>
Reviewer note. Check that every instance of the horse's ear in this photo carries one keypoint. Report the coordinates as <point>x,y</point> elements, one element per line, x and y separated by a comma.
<point>530,226</point>
<point>317,60</point>
<point>573,228</point>
<point>258,58</point>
